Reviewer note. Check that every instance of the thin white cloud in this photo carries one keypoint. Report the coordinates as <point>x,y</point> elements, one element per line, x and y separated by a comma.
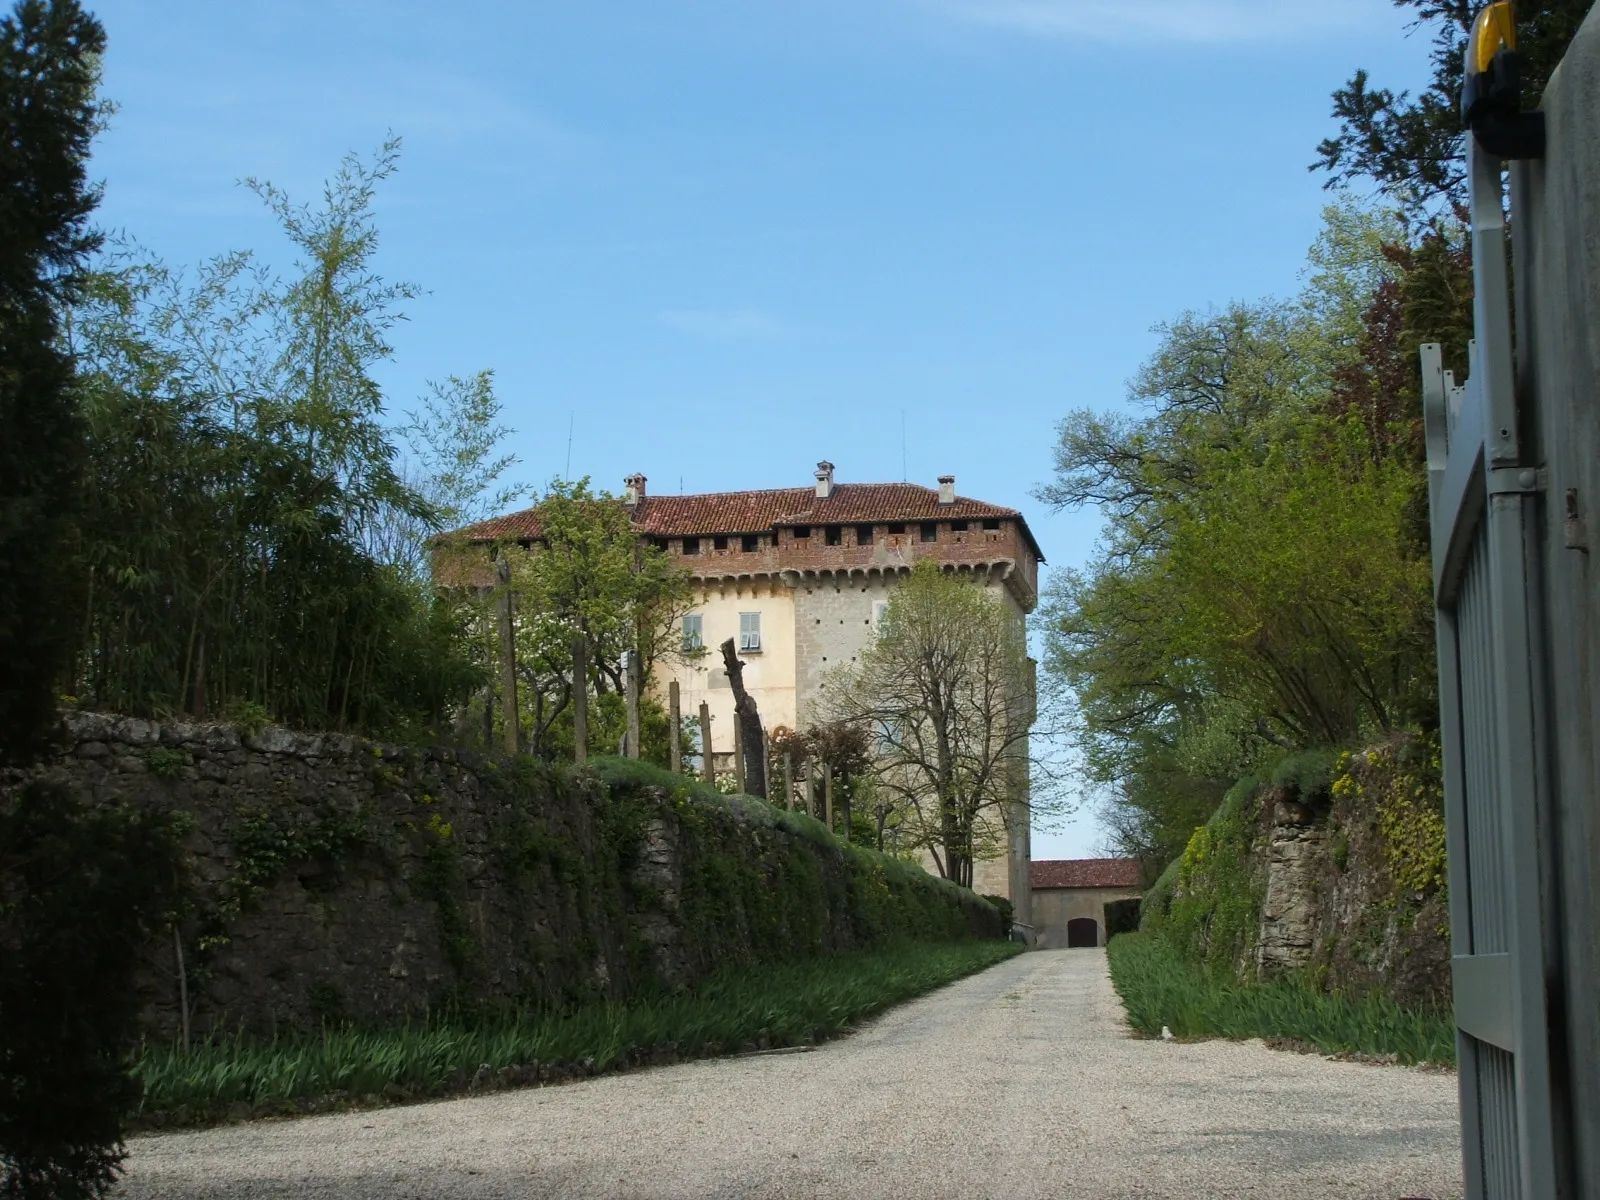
<point>722,324</point>
<point>1215,21</point>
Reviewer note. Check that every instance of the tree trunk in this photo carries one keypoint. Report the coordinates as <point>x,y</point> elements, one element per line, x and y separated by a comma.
<point>754,742</point>
<point>580,697</point>
<point>508,662</point>
<point>633,676</point>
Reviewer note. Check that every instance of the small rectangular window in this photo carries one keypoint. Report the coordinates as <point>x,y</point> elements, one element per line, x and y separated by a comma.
<point>719,543</point>
<point>693,631</point>
<point>930,531</point>
<point>750,543</point>
<point>749,632</point>
<point>897,529</point>
<point>958,526</point>
<point>802,531</point>
<point>991,523</point>
<point>691,545</point>
<point>880,612</point>
<point>863,535</point>
<point>834,535</point>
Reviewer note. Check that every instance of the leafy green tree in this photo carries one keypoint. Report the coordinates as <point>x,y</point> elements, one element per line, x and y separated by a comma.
<point>1263,583</point>
<point>946,691</point>
<point>1412,147</point>
<point>455,462</point>
<point>49,63</point>
<point>589,574</point>
<point>242,482</point>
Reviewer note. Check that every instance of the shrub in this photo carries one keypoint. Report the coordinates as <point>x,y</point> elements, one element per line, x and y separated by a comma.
<point>1207,904</point>
<point>1007,913</point>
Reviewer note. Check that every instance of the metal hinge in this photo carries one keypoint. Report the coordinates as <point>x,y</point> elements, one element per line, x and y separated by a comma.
<point>1514,480</point>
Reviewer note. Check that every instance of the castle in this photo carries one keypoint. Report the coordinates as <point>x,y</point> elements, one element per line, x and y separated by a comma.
<point>799,578</point>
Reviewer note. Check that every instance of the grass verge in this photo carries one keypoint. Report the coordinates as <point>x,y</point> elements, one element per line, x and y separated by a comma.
<point>1158,988</point>
<point>750,1009</point>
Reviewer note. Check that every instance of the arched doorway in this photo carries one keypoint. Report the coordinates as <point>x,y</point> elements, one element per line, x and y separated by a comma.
<point>1082,931</point>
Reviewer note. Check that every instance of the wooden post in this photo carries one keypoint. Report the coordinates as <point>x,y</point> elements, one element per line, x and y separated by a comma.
<point>183,986</point>
<point>788,779</point>
<point>632,679</point>
<point>508,661</point>
<point>580,697</point>
<point>708,770</point>
<point>675,728</point>
<point>827,793</point>
<point>844,812</point>
<point>811,788</point>
<point>738,755</point>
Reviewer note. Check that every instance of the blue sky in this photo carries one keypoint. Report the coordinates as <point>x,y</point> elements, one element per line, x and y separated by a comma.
<point>722,240</point>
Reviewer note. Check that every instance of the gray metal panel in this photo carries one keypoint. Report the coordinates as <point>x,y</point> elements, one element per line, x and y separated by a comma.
<point>1556,232</point>
<point>1483,835</point>
<point>1482,996</point>
<point>1499,1146</point>
<point>1487,594</point>
<point>1491,315</point>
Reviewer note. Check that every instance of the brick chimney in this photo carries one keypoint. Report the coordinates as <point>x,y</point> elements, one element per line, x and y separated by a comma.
<point>824,479</point>
<point>633,489</point>
<point>947,489</point>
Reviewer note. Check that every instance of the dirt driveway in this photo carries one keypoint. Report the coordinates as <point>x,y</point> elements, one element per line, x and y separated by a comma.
<point>1019,1082</point>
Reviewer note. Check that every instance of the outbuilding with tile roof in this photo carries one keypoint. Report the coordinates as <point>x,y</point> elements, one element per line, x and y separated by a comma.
<point>1082,901</point>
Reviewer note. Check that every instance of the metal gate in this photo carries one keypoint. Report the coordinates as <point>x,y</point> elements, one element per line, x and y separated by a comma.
<point>1484,498</point>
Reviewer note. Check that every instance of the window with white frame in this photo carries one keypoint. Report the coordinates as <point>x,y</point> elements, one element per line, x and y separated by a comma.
<point>880,613</point>
<point>749,632</point>
<point>693,631</point>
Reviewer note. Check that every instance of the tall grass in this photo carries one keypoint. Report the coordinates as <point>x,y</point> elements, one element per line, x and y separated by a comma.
<point>1160,988</point>
<point>747,1009</point>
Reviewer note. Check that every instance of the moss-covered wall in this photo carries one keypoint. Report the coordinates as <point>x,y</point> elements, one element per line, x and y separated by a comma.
<point>1332,867</point>
<point>330,877</point>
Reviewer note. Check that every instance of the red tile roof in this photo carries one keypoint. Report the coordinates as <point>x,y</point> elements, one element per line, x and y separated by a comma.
<point>756,511</point>
<point>1086,873</point>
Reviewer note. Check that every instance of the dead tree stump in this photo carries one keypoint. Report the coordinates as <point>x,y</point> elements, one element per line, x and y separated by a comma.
<point>753,742</point>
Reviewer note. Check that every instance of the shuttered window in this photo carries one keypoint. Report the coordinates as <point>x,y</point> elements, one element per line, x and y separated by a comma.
<point>693,631</point>
<point>749,631</point>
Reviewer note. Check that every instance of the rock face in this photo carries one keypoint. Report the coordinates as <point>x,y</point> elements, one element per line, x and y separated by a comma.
<point>333,877</point>
<point>1354,891</point>
<point>1296,852</point>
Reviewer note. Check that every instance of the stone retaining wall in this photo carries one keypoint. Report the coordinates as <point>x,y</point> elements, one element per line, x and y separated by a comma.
<point>337,878</point>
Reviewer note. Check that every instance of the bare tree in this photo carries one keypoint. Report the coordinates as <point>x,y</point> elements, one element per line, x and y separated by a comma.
<point>947,693</point>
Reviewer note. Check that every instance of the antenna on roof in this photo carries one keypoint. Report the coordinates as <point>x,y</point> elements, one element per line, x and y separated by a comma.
<point>571,417</point>
<point>904,474</point>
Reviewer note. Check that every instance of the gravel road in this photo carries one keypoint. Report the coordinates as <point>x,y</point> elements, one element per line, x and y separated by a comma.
<point>1019,1082</point>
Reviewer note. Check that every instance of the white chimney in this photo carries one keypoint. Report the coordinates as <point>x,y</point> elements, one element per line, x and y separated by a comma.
<point>633,491</point>
<point>824,479</point>
<point>947,489</point>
